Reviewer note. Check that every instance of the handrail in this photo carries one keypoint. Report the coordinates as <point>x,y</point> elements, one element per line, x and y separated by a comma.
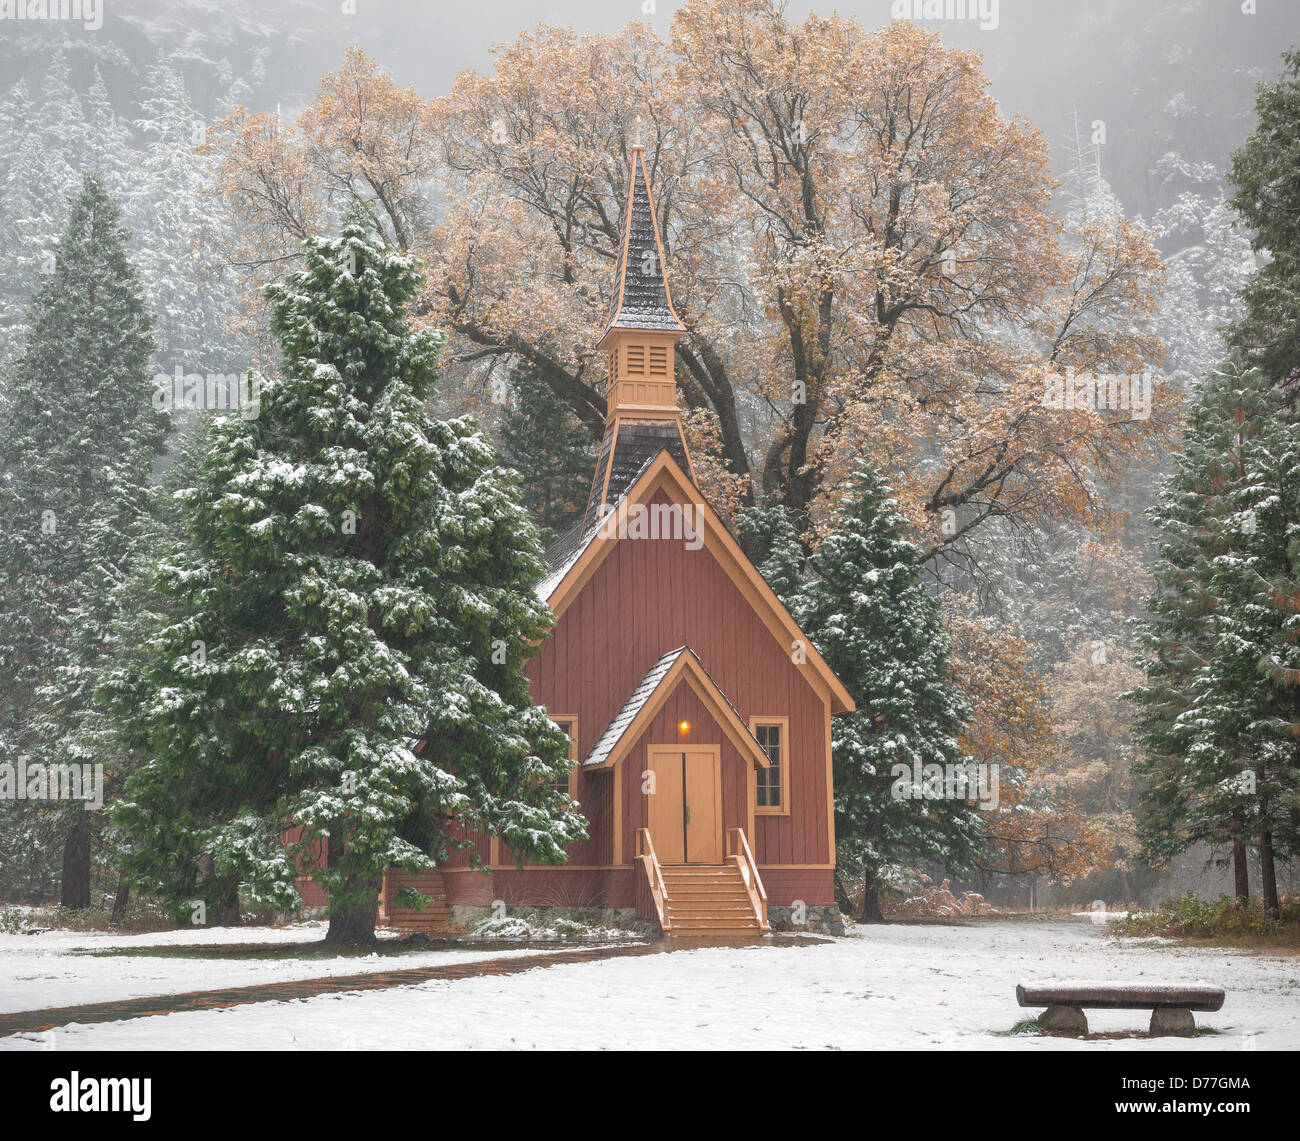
<point>645,852</point>
<point>738,850</point>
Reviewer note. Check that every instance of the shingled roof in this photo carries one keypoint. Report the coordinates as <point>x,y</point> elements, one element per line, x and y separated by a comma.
<point>632,706</point>
<point>564,551</point>
<point>653,689</point>
<point>626,451</point>
<point>641,297</point>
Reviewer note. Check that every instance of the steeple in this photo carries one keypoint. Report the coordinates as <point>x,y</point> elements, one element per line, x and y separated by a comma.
<point>643,328</point>
<point>641,336</point>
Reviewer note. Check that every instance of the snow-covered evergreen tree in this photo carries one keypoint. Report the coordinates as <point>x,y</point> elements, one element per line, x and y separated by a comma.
<point>36,182</point>
<point>880,629</point>
<point>192,296</point>
<point>551,450</point>
<point>77,447</point>
<point>1268,198</point>
<point>1218,714</point>
<point>773,544</point>
<point>352,606</point>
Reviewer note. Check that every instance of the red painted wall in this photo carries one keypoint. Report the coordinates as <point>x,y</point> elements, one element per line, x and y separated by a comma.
<point>650,596</point>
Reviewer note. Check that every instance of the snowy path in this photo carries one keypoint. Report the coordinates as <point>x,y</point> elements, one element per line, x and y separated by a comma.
<point>891,987</point>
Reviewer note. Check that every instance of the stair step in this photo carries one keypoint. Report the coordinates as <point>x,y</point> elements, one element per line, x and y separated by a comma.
<point>711,905</point>
<point>708,889</point>
<point>711,916</point>
<point>719,896</point>
<point>698,924</point>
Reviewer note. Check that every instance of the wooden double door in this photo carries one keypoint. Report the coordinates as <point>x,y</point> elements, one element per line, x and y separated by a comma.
<point>684,803</point>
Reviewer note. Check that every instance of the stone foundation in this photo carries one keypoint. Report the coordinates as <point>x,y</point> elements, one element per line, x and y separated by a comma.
<point>468,915</point>
<point>818,919</point>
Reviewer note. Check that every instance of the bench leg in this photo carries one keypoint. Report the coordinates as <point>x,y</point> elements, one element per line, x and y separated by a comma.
<point>1064,1020</point>
<point>1172,1022</point>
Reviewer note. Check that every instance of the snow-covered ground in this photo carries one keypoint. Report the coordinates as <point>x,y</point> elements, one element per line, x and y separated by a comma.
<point>917,987</point>
<point>53,969</point>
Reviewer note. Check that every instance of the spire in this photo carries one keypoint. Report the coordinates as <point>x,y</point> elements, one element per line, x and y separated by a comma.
<point>641,417</point>
<point>641,297</point>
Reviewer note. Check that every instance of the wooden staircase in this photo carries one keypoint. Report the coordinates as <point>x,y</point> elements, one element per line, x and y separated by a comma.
<point>704,901</point>
<point>433,916</point>
<point>709,901</point>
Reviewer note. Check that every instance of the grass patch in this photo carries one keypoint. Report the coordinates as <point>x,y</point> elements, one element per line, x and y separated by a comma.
<point>1217,922</point>
<point>1027,1028</point>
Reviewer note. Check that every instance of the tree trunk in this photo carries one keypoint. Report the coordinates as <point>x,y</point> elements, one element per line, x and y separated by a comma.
<point>354,925</point>
<point>75,889</point>
<point>1240,871</point>
<point>354,908</point>
<point>842,897</point>
<point>871,912</point>
<point>1268,874</point>
<point>121,899</point>
<point>225,902</point>
<point>220,895</point>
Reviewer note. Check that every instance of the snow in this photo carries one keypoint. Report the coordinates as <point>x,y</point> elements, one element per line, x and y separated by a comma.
<point>54,969</point>
<point>899,986</point>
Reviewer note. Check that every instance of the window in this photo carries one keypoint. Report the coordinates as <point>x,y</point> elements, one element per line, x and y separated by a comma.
<point>772,785</point>
<point>658,360</point>
<point>636,360</point>
<point>570,726</point>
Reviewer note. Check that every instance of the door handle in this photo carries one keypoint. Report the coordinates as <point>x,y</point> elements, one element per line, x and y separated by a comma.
<point>688,814</point>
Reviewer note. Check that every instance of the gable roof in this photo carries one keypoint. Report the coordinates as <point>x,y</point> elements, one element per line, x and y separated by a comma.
<point>681,664</point>
<point>641,297</point>
<point>575,557</point>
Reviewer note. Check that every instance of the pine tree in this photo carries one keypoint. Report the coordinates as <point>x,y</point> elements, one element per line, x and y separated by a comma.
<point>551,450</point>
<point>880,629</point>
<point>36,180</point>
<point>192,295</point>
<point>354,600</point>
<point>1268,198</point>
<point>77,448</point>
<point>773,544</point>
<point>1220,710</point>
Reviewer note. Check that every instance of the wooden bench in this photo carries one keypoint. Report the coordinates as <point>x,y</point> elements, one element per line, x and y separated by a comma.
<point>1171,1006</point>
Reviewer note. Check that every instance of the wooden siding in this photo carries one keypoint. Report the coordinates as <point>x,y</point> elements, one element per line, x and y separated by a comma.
<point>546,887</point>
<point>785,885</point>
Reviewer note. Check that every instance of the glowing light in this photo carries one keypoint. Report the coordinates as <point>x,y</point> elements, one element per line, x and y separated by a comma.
<point>683,727</point>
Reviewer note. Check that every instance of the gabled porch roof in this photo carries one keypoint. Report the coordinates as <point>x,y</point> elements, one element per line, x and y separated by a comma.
<point>681,664</point>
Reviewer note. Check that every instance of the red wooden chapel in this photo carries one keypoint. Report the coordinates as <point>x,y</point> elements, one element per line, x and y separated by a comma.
<point>699,714</point>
